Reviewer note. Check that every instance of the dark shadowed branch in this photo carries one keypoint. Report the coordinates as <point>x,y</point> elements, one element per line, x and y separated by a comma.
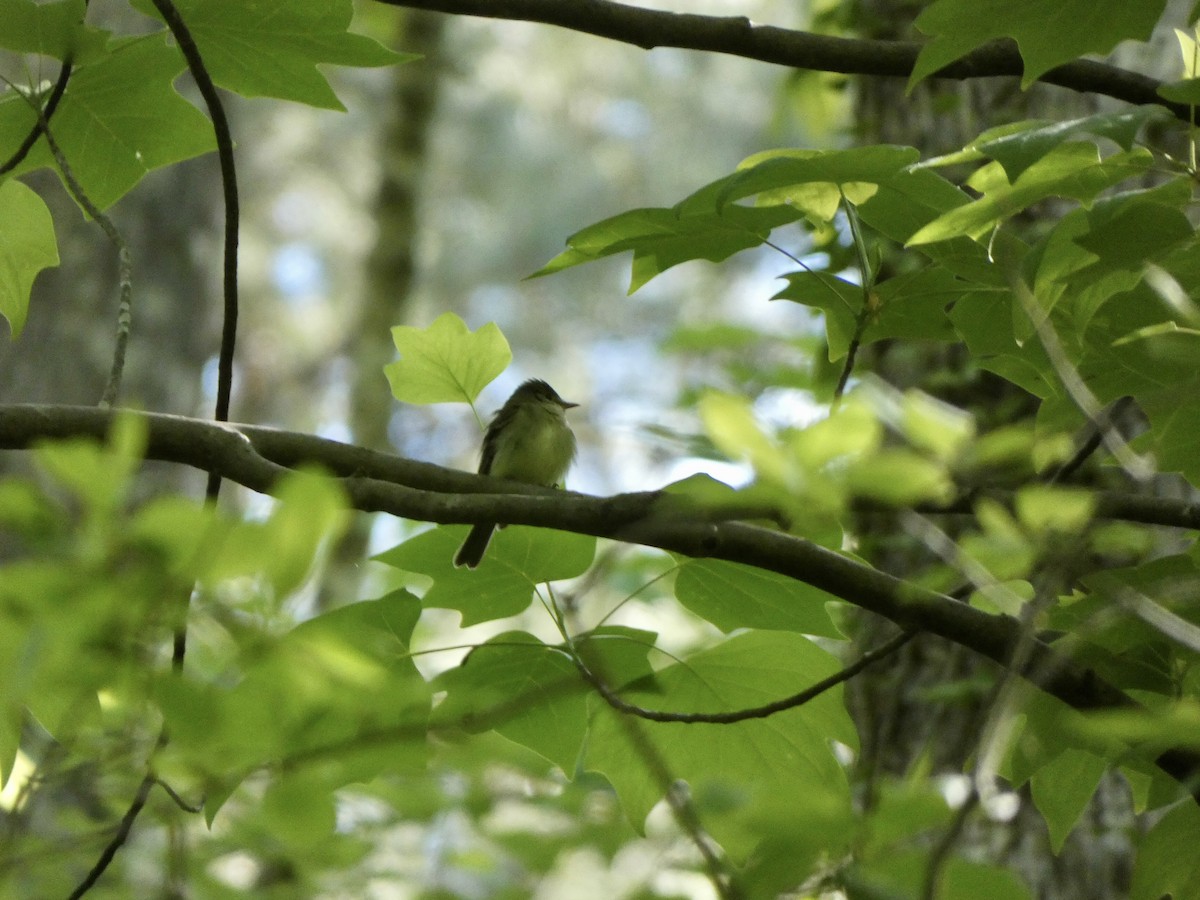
<point>738,36</point>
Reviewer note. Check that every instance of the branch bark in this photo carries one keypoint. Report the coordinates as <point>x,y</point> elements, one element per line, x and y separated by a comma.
<point>738,36</point>
<point>259,457</point>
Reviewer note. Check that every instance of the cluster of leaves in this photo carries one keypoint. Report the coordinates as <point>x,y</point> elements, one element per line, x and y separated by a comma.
<point>282,726</point>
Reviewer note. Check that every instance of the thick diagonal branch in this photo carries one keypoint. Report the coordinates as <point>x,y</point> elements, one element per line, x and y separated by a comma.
<point>374,482</point>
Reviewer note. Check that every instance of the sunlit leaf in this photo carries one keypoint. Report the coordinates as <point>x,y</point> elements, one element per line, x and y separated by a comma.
<point>446,362</point>
<point>27,245</point>
<point>1073,170</point>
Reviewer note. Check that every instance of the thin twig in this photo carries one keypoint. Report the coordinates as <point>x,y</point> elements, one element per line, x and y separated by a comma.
<point>124,262</point>
<point>1137,467</point>
<point>867,277</point>
<point>122,835</point>
<point>56,93</point>
<point>216,111</point>
<point>212,99</point>
<point>719,874</point>
<point>1091,443</point>
<point>757,712</point>
<point>179,801</point>
<point>941,851</point>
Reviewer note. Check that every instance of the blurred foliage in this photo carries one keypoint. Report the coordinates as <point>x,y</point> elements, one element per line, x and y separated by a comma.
<point>374,746</point>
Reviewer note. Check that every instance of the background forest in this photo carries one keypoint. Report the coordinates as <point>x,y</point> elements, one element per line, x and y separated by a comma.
<point>876,575</point>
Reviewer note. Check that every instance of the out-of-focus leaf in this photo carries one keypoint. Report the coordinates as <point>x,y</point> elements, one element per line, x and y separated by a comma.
<point>1062,790</point>
<point>1167,865</point>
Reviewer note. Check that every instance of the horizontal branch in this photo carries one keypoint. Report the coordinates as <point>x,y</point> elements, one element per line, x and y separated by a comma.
<point>738,36</point>
<point>257,457</point>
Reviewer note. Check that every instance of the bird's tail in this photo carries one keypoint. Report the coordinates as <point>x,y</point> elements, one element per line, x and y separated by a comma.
<point>470,554</point>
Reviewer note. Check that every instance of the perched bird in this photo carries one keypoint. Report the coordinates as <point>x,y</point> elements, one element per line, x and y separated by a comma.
<point>529,441</point>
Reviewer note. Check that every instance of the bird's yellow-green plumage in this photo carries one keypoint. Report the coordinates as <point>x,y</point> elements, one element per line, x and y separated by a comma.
<point>528,441</point>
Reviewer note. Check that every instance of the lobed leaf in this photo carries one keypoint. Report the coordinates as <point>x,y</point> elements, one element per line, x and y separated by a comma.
<point>446,362</point>
<point>271,48</point>
<point>1048,32</point>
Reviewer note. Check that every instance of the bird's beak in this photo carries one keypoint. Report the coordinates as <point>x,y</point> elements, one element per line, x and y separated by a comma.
<point>567,404</point>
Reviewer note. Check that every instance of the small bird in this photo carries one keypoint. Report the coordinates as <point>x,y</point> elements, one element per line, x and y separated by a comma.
<point>528,441</point>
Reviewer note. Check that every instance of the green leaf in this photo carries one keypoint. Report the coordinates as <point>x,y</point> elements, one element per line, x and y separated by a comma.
<point>663,238</point>
<point>784,176</point>
<point>1054,512</point>
<point>527,691</point>
<point>518,560</point>
<point>340,687</point>
<point>50,29</point>
<point>901,873</point>
<point>27,246</point>
<point>1127,232</point>
<point>271,48</point>
<point>934,426</point>
<point>120,120</point>
<point>532,693</point>
<point>733,595</point>
<point>1072,170</point>
<point>1062,789</point>
<point>446,362</point>
<point>1048,32</point>
<point>899,477</point>
<point>839,299</point>
<point>1167,863</point>
<point>908,200</point>
<point>749,764</point>
<point>1185,91</point>
<point>1174,413</point>
<point>298,809</point>
<point>1016,151</point>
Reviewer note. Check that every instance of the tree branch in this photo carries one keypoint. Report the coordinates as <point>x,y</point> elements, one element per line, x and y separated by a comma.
<point>738,36</point>
<point>810,693</point>
<point>375,482</point>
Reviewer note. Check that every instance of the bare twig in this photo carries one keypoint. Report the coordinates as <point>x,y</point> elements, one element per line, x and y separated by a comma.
<point>124,263</point>
<point>216,111</point>
<point>56,93</point>
<point>1092,443</point>
<point>945,846</point>
<point>118,839</point>
<point>867,277</point>
<point>756,712</point>
<point>179,801</point>
<point>1138,467</point>
<point>224,139</point>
